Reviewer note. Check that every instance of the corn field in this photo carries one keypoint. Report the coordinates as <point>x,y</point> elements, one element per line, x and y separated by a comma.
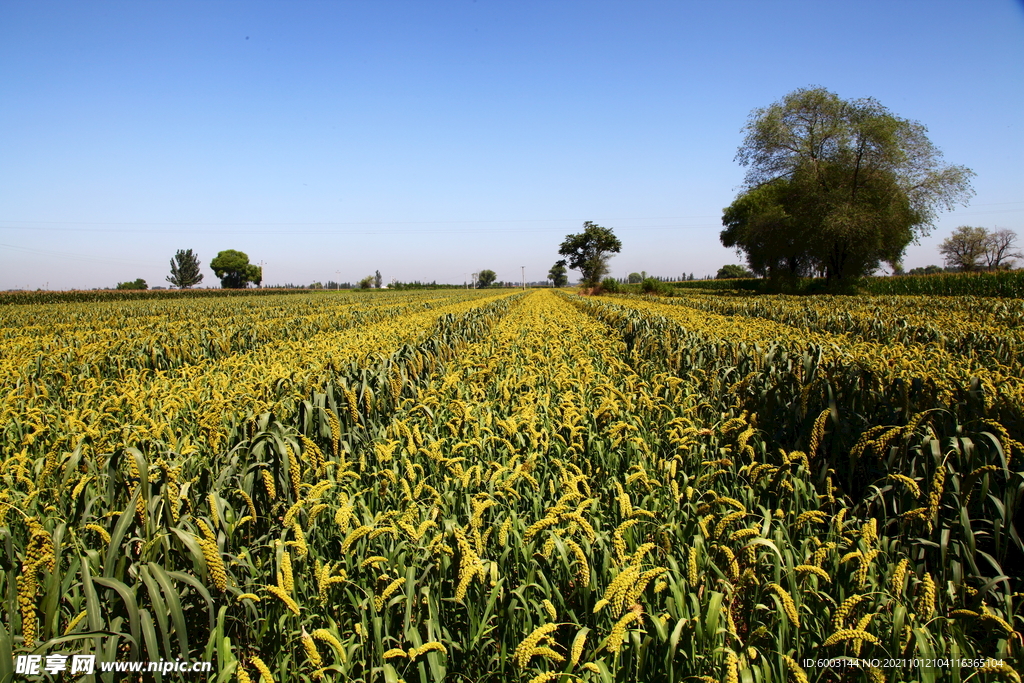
<point>492,486</point>
<point>1004,283</point>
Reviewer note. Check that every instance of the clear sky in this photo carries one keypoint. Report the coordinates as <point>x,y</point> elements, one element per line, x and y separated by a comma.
<point>429,139</point>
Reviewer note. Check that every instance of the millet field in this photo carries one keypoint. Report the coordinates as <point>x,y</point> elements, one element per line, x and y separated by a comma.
<point>485,486</point>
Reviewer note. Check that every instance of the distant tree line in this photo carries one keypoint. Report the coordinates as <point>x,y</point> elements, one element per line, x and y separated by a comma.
<point>637,278</point>
<point>235,271</point>
<point>136,284</point>
<point>416,284</point>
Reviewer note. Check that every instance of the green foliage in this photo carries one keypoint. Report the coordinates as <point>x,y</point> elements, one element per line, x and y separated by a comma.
<point>589,251</point>
<point>366,282</point>
<point>796,285</point>
<point>965,248</point>
<point>971,249</point>
<point>634,278</point>
<point>1004,283</point>
<point>836,187</point>
<point>558,275</point>
<point>486,278</point>
<point>234,270</point>
<point>609,286</point>
<point>927,270</point>
<point>758,223</point>
<point>136,284</point>
<point>417,285</point>
<point>733,271</point>
<point>185,270</point>
<point>651,285</point>
<point>748,285</point>
<point>377,280</point>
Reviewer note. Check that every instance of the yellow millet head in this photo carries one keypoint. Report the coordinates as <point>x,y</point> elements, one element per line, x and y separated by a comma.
<point>263,669</point>
<point>280,594</point>
<point>732,673</point>
<point>311,652</point>
<point>577,647</point>
<point>618,633</point>
<point>27,588</point>
<point>926,602</point>
<point>294,471</point>
<point>523,651</point>
<point>268,484</point>
<point>788,606</point>
<point>845,609</point>
<point>799,675</point>
<point>850,634</point>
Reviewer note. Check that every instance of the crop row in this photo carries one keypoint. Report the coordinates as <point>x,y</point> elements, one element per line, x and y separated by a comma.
<point>989,329</point>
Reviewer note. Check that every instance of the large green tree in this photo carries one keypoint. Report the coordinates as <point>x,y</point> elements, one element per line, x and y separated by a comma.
<point>486,278</point>
<point>557,274</point>
<point>185,270</point>
<point>234,270</point>
<point>965,248</point>
<point>836,186</point>
<point>759,224</point>
<point>589,251</point>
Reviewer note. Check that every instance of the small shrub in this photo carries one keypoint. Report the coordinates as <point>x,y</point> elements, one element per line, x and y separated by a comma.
<point>137,284</point>
<point>652,286</point>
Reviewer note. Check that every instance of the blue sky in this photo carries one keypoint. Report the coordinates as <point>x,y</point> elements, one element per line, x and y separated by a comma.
<point>432,139</point>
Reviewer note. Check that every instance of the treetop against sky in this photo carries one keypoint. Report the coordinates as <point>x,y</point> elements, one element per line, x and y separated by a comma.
<point>430,141</point>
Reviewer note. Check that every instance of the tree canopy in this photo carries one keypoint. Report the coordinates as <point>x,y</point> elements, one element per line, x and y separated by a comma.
<point>999,246</point>
<point>836,187</point>
<point>589,251</point>
<point>486,278</point>
<point>557,274</point>
<point>185,270</point>
<point>234,270</point>
<point>732,271</point>
<point>970,248</point>
<point>137,284</point>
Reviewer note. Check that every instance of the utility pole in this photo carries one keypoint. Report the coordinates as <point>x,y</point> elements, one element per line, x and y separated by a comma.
<point>337,284</point>
<point>524,277</point>
<point>261,264</point>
